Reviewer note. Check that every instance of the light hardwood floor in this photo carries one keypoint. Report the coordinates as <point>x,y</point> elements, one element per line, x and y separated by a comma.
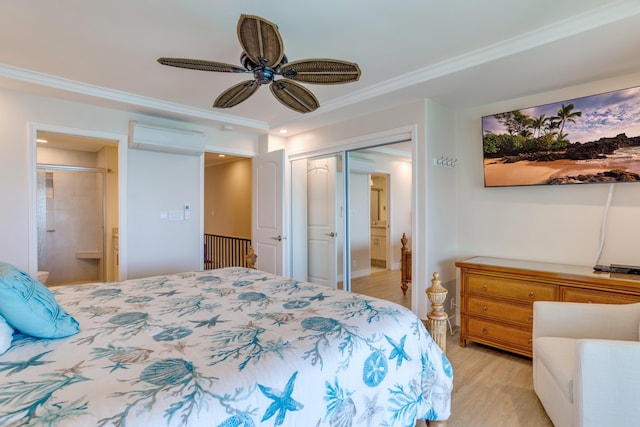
<point>490,387</point>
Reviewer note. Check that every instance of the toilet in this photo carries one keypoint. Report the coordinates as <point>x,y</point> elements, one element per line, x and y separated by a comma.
<point>43,276</point>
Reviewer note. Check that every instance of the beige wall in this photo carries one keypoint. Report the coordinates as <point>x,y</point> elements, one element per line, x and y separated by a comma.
<point>108,159</point>
<point>227,199</point>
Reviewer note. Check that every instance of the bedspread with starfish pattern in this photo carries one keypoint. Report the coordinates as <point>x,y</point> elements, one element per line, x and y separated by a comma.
<point>228,347</point>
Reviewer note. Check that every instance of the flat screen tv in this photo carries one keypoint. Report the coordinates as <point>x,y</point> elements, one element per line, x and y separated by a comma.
<point>594,139</point>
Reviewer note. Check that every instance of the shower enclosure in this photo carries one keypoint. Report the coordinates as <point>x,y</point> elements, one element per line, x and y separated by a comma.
<point>71,223</point>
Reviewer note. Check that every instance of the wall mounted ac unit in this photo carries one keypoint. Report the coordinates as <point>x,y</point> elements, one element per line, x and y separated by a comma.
<point>156,138</point>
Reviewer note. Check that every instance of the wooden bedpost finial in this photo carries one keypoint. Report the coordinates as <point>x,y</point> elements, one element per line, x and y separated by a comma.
<point>251,257</point>
<point>405,265</point>
<point>437,316</point>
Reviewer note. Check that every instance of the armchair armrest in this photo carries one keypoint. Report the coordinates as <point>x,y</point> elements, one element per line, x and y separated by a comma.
<point>606,383</point>
<point>580,320</point>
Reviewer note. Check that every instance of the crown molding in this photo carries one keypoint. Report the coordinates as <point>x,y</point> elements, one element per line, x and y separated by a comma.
<point>569,27</point>
<point>557,31</point>
<point>68,85</point>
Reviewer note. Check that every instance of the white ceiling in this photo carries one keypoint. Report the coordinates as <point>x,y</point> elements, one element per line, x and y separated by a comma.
<point>458,53</point>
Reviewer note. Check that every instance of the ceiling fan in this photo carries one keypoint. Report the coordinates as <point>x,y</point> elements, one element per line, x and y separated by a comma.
<point>263,56</point>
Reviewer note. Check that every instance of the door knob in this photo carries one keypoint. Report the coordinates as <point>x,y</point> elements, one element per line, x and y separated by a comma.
<point>332,234</point>
<point>279,238</point>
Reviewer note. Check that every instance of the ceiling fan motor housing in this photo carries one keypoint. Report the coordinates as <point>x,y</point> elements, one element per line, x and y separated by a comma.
<point>264,76</point>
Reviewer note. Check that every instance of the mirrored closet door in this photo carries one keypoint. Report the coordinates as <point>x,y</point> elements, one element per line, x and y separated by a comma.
<point>364,211</point>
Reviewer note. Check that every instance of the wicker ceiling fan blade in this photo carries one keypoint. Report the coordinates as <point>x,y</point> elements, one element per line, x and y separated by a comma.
<point>263,56</point>
<point>201,64</point>
<point>260,39</point>
<point>236,94</point>
<point>321,71</point>
<point>294,96</point>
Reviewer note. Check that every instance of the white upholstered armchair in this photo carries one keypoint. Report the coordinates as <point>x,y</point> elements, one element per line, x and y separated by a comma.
<point>586,363</point>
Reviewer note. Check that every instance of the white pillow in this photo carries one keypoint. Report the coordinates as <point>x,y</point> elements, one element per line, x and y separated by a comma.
<point>6,335</point>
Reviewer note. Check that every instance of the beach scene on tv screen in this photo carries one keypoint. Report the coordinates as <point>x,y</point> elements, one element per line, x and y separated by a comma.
<point>593,139</point>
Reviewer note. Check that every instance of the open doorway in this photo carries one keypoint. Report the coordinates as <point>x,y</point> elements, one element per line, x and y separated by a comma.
<point>77,208</point>
<point>227,210</point>
<point>378,204</point>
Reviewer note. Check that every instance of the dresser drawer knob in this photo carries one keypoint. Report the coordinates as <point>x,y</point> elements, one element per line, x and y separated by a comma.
<point>484,331</point>
<point>484,288</point>
<point>532,295</point>
<point>484,308</point>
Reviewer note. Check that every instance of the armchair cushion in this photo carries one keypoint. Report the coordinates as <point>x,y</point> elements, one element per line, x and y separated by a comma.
<point>580,320</point>
<point>558,355</point>
<point>607,383</point>
<point>585,362</point>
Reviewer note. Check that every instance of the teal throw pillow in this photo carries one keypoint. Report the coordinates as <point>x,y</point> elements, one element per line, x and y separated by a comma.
<point>30,307</point>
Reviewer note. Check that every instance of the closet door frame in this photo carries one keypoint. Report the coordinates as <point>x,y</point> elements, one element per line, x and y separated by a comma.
<point>405,134</point>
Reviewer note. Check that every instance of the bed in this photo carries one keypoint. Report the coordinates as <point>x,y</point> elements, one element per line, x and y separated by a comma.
<point>227,347</point>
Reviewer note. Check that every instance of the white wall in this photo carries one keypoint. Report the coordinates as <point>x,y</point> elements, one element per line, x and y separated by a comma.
<point>558,224</point>
<point>440,198</point>
<point>543,223</point>
<point>166,181</point>
<point>160,239</point>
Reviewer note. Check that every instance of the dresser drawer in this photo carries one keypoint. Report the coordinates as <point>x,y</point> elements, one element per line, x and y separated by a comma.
<point>497,296</point>
<point>495,309</point>
<point>596,297</point>
<point>510,288</point>
<point>509,338</point>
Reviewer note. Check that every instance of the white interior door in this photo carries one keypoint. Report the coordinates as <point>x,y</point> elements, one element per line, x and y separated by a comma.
<point>321,221</point>
<point>267,219</point>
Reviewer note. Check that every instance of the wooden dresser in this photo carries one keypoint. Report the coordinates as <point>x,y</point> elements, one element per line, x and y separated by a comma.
<point>497,296</point>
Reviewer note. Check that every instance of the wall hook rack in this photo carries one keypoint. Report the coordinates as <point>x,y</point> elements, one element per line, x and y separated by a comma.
<point>445,162</point>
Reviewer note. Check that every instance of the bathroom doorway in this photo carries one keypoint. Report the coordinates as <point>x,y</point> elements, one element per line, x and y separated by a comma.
<point>379,201</point>
<point>76,209</point>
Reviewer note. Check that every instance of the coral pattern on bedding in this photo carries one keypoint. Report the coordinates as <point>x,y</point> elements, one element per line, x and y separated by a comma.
<point>228,347</point>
